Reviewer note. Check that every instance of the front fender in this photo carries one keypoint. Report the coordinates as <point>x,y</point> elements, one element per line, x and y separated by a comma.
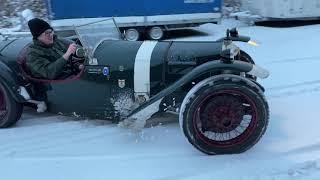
<point>212,66</point>
<point>10,81</point>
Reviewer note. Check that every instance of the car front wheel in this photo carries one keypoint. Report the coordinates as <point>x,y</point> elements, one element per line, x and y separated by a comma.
<point>10,110</point>
<point>226,116</point>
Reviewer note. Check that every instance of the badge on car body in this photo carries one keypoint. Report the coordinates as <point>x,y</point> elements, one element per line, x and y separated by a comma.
<point>105,71</point>
<point>93,61</point>
<point>121,83</point>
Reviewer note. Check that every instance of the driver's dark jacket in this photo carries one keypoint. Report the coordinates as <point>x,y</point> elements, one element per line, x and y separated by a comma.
<point>46,61</point>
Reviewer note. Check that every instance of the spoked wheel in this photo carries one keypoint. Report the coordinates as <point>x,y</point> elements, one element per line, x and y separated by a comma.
<point>224,117</point>
<point>10,110</point>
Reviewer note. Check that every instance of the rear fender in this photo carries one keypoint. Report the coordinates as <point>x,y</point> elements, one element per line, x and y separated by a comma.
<point>10,81</point>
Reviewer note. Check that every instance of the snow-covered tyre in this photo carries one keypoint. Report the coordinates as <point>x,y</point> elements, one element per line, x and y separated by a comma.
<point>226,114</point>
<point>132,34</point>
<point>155,33</point>
<point>10,110</point>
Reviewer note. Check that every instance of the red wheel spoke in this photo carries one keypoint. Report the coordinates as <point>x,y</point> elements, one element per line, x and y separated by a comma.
<point>224,118</point>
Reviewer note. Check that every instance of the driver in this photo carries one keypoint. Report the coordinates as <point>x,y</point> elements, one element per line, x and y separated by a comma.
<point>47,57</point>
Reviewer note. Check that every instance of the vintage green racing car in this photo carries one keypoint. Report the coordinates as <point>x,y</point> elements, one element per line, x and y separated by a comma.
<point>212,86</point>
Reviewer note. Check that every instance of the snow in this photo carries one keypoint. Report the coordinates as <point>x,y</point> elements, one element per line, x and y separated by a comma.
<point>27,14</point>
<point>138,120</point>
<point>45,146</point>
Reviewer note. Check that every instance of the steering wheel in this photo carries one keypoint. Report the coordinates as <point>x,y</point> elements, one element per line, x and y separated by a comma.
<point>75,60</point>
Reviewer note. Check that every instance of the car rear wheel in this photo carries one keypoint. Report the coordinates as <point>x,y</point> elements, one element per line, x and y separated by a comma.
<point>10,110</point>
<point>224,116</point>
<point>132,34</point>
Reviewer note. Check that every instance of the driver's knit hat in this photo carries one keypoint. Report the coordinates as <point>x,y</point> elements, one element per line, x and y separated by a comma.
<point>38,26</point>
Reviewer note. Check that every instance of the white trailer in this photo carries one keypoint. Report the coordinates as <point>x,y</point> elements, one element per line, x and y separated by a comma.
<point>280,9</point>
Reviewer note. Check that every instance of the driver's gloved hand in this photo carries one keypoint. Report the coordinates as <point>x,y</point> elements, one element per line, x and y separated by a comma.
<point>71,50</point>
<point>81,66</point>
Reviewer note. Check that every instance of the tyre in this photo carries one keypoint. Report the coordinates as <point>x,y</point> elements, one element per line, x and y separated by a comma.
<point>132,34</point>
<point>10,110</point>
<point>224,115</point>
<point>155,33</point>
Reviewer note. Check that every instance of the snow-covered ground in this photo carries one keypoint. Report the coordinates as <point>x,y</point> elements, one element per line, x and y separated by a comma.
<point>52,147</point>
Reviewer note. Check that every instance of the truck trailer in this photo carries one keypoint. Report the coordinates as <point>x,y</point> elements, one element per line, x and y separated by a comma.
<point>134,18</point>
<point>280,10</point>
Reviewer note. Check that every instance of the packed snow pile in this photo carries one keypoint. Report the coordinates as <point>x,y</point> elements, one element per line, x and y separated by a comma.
<point>11,11</point>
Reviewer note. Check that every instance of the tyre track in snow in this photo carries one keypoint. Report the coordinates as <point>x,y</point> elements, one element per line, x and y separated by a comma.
<point>304,149</point>
<point>305,170</point>
<point>98,138</point>
<point>82,136</point>
<point>244,162</point>
<point>44,131</point>
<point>290,60</point>
<point>117,157</point>
<point>25,130</point>
<point>57,137</point>
<point>78,135</point>
<point>293,89</point>
<point>60,143</point>
<point>303,87</point>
